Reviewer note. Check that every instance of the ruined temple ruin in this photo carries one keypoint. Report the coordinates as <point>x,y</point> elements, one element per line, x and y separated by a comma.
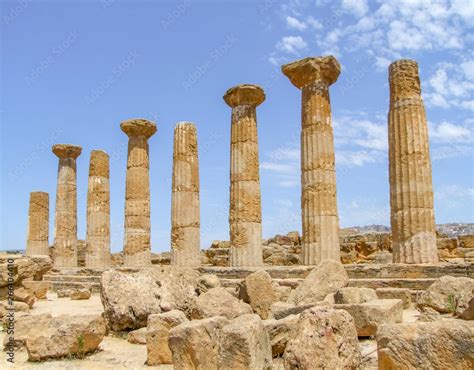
<point>320,220</point>
<point>411,188</point>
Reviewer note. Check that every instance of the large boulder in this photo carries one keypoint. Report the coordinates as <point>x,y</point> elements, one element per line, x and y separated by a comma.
<point>325,338</point>
<point>354,295</point>
<point>219,302</point>
<point>244,344</point>
<point>370,315</point>
<point>327,277</point>
<point>195,344</point>
<point>206,282</point>
<point>24,327</point>
<point>258,291</point>
<point>20,294</point>
<point>65,335</point>
<point>444,344</point>
<point>158,328</point>
<point>38,288</point>
<point>129,297</point>
<point>445,292</point>
<point>137,336</point>
<point>395,293</point>
<point>465,307</point>
<point>280,332</point>
<point>14,268</point>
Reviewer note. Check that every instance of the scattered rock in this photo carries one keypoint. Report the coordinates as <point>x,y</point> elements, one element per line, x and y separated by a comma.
<point>65,335</point>
<point>349,295</point>
<point>195,344</point>
<point>158,328</point>
<point>395,293</point>
<point>80,294</point>
<point>369,316</point>
<point>257,290</point>
<point>444,293</point>
<point>445,344</point>
<point>325,338</point>
<point>244,344</point>
<point>23,268</point>
<point>429,315</point>
<point>22,295</point>
<point>280,332</point>
<point>219,302</point>
<point>206,282</point>
<point>38,288</point>
<point>318,285</point>
<point>137,336</point>
<point>23,328</point>
<point>64,293</point>
<point>129,297</point>
<point>465,307</point>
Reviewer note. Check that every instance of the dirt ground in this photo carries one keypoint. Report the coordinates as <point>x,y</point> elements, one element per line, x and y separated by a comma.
<point>116,353</point>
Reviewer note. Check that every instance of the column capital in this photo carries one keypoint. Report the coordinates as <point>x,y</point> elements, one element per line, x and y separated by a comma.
<point>244,95</point>
<point>67,150</point>
<point>404,78</point>
<point>305,71</point>
<point>138,127</point>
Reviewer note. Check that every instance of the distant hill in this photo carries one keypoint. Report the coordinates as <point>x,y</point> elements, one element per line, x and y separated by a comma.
<point>451,229</point>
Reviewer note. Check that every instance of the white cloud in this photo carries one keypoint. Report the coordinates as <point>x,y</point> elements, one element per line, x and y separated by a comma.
<point>314,23</point>
<point>448,132</point>
<point>357,7</point>
<point>292,44</point>
<point>453,196</point>
<point>295,23</point>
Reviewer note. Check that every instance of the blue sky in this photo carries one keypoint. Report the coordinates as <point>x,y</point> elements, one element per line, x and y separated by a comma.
<point>73,70</point>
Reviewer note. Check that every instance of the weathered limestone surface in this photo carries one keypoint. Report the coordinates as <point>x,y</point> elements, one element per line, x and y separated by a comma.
<point>98,212</point>
<point>65,222</point>
<point>219,302</point>
<point>320,218</point>
<point>325,339</point>
<point>137,247</point>
<point>195,344</point>
<point>445,344</point>
<point>411,189</point>
<point>158,328</point>
<point>59,336</point>
<point>38,224</point>
<point>185,218</point>
<point>245,214</point>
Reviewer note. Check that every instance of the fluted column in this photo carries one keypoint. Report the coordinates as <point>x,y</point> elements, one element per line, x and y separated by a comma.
<point>411,188</point>
<point>245,215</point>
<point>65,223</point>
<point>137,249</point>
<point>185,219</point>
<point>320,218</point>
<point>98,211</point>
<point>38,224</point>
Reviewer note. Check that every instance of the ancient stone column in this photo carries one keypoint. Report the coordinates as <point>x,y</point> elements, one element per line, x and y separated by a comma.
<point>411,188</point>
<point>137,249</point>
<point>98,211</point>
<point>320,239</point>
<point>38,224</point>
<point>185,219</point>
<point>65,222</point>
<point>245,215</point>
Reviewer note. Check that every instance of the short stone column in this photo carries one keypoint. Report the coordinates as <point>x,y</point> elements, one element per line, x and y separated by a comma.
<point>245,215</point>
<point>137,249</point>
<point>185,219</point>
<point>65,222</point>
<point>318,180</point>
<point>38,224</point>
<point>411,189</point>
<point>98,211</point>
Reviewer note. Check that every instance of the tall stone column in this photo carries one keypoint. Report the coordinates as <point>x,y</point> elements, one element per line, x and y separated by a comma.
<point>245,215</point>
<point>318,179</point>
<point>98,211</point>
<point>137,247</point>
<point>65,223</point>
<point>185,219</point>
<point>411,188</point>
<point>38,224</point>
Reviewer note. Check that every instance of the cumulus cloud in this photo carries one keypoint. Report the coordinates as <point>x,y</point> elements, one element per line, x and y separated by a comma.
<point>295,23</point>
<point>357,7</point>
<point>292,44</point>
<point>449,132</point>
